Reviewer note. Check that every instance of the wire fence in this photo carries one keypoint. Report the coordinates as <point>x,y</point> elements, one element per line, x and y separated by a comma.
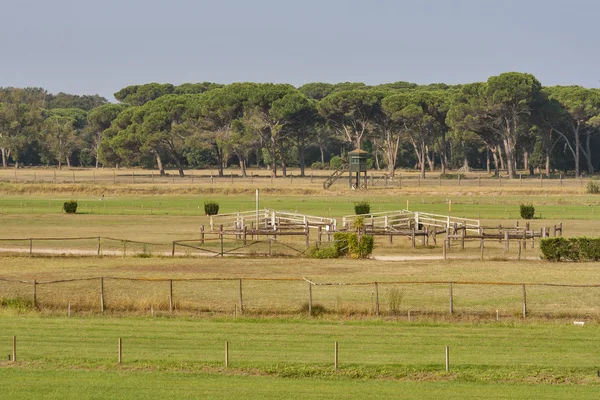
<point>263,178</point>
<point>295,296</point>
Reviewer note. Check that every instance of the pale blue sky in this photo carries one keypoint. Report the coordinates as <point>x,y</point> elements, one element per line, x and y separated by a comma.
<point>100,46</point>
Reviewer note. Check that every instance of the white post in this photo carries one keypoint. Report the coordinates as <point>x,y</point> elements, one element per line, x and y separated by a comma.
<point>256,224</point>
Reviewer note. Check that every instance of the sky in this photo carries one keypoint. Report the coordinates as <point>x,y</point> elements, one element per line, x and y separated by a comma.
<point>101,46</point>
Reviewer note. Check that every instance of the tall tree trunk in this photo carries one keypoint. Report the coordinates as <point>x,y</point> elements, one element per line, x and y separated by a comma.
<point>68,162</point>
<point>322,149</point>
<point>159,163</point>
<point>443,153</point>
<point>282,155</point>
<point>423,159</point>
<point>465,166</point>
<point>59,164</point>
<point>588,153</point>
<point>496,169</point>
<point>577,144</point>
<point>548,165</point>
<point>487,159</point>
<point>242,160</point>
<point>377,162</point>
<point>4,161</point>
<point>510,157</point>
<point>430,160</point>
<point>525,160</point>
<point>500,157</point>
<point>302,156</point>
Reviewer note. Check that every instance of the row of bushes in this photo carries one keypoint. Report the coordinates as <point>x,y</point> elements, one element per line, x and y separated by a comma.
<point>210,207</point>
<point>344,244</point>
<point>570,249</point>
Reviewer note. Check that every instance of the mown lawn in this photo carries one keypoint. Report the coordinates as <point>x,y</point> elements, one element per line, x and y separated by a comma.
<point>174,358</point>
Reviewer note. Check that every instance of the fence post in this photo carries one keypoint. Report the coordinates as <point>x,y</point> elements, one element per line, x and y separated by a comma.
<point>412,238</point>
<point>335,356</point>
<point>447,359</point>
<point>269,246</point>
<point>221,239</point>
<point>376,298</point>
<point>73,176</point>
<point>481,247</point>
<point>241,298</point>
<point>170,295</point>
<point>124,248</point>
<point>202,234</point>
<point>102,294</point>
<point>519,252</point>
<point>245,234</point>
<point>120,350</point>
<point>227,353</point>
<point>30,247</point>
<point>309,299</point>
<point>451,300</point>
<point>34,293</point>
<point>114,177</point>
<point>444,250</point>
<point>524,302</point>
<point>14,349</point>
<point>506,243</point>
<point>319,235</point>
<point>307,233</point>
<point>94,177</point>
<point>173,249</point>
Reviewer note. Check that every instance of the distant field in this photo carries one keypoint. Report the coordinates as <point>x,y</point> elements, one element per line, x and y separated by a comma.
<point>166,358</point>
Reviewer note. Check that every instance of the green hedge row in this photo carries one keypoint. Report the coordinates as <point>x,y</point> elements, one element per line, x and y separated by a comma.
<point>571,249</point>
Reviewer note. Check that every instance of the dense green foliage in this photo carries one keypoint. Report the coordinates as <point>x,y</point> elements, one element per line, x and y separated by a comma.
<point>571,249</point>
<point>593,187</point>
<point>508,123</point>
<point>527,211</point>
<point>70,207</point>
<point>362,207</point>
<point>211,208</point>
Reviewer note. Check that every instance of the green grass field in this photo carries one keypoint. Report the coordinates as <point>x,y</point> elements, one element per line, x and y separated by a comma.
<point>277,351</point>
<point>167,358</point>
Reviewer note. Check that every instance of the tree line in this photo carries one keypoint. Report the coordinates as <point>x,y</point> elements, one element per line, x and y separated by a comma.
<point>507,123</point>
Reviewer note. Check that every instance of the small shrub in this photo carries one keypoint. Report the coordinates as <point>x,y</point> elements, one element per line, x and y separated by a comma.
<point>361,248</point>
<point>319,165</point>
<point>335,162</point>
<point>341,242</point>
<point>211,208</point>
<point>316,310</point>
<point>70,207</point>
<point>17,303</point>
<point>394,297</point>
<point>359,223</point>
<point>527,211</point>
<point>362,207</point>
<point>323,252</point>
<point>593,187</point>
<point>453,176</point>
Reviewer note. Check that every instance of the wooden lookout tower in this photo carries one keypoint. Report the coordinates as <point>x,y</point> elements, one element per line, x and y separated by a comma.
<point>357,162</point>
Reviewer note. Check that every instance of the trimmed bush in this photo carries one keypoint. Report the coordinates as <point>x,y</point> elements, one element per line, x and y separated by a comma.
<point>571,249</point>
<point>527,211</point>
<point>361,248</point>
<point>319,165</point>
<point>211,208</point>
<point>341,242</point>
<point>593,187</point>
<point>335,162</point>
<point>70,207</point>
<point>362,207</point>
<point>323,252</point>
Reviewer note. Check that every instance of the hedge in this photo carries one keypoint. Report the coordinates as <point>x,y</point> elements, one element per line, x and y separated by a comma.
<point>70,207</point>
<point>571,249</point>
